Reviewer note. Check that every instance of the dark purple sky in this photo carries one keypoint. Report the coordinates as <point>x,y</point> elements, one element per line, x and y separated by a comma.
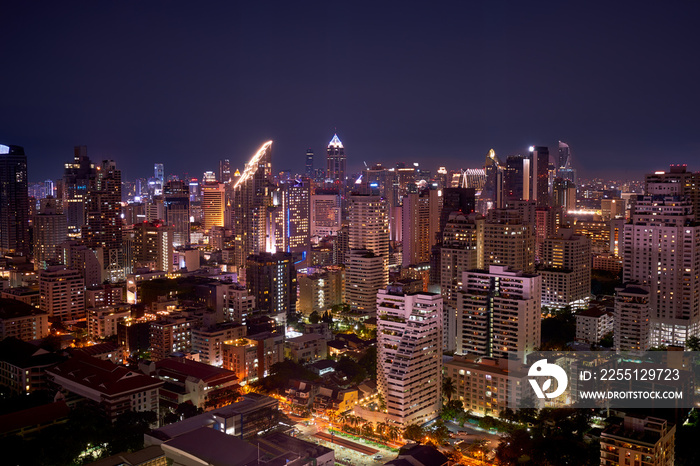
<point>436,82</point>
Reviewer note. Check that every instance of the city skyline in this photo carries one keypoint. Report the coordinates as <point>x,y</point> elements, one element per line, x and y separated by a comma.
<point>411,84</point>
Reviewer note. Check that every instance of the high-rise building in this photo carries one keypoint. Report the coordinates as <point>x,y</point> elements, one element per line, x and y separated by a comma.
<point>365,274</point>
<point>564,167</point>
<point>153,246</point>
<point>678,181</point>
<point>159,177</point>
<point>638,440</point>
<point>176,200</point>
<point>213,204</point>
<point>225,176</point>
<point>272,280</point>
<point>409,354</point>
<point>320,291</point>
<point>62,293</point>
<point>79,257</point>
<point>458,254</point>
<point>564,193</point>
<point>309,162</point>
<point>335,162</point>
<point>290,228</point>
<point>566,270</point>
<point>539,175</point>
<point>456,200</point>
<point>326,212</point>
<point>252,197</point>
<point>505,240</point>
<point>661,251</point>
<point>103,228</point>
<point>514,177</point>
<point>492,195</point>
<point>632,317</point>
<point>14,201</point>
<point>50,231</point>
<point>420,223</point>
<point>498,313</point>
<point>77,179</point>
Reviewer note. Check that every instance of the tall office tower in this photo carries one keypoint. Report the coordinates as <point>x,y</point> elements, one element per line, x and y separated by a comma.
<point>545,226</point>
<point>77,179</point>
<point>291,217</point>
<point>505,240</point>
<point>498,312</point>
<point>272,280</point>
<point>209,177</point>
<point>103,215</point>
<point>565,168</point>
<point>612,208</point>
<point>335,162</point>
<point>225,176</point>
<point>79,257</point>
<point>252,197</point>
<point>492,195</point>
<point>50,231</point>
<point>539,175</point>
<point>159,177</point>
<point>14,201</point>
<point>155,209</point>
<point>322,290</point>
<point>409,354</point>
<point>662,251</point>
<point>455,200</point>
<point>564,193</point>
<point>341,246</point>
<point>48,188</point>
<point>566,270</point>
<point>678,181</point>
<point>420,223</point>
<point>195,190</point>
<point>441,177</point>
<point>62,292</point>
<point>365,274</point>
<point>458,254</point>
<point>213,204</point>
<point>153,246</point>
<point>326,212</point>
<point>632,318</point>
<point>176,199</point>
<point>309,163</point>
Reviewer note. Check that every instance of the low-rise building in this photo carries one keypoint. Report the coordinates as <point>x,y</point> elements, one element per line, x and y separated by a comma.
<point>638,440</point>
<point>593,324</point>
<point>485,385</point>
<point>22,321</point>
<point>104,351</point>
<point>251,358</point>
<point>306,348</point>
<point>115,389</point>
<point>103,321</point>
<point>339,401</point>
<point>23,365</point>
<point>208,342</point>
<point>26,294</point>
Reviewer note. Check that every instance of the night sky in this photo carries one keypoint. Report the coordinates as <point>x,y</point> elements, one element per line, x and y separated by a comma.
<point>439,83</point>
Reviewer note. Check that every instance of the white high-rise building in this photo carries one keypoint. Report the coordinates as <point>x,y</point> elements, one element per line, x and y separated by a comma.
<point>326,213</point>
<point>62,293</point>
<point>662,251</point>
<point>364,276</point>
<point>498,312</point>
<point>409,329</point>
<point>631,318</point>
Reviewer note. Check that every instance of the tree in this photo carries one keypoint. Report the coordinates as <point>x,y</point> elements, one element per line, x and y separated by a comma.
<point>393,432</point>
<point>452,409</point>
<point>692,343</point>
<point>414,432</point>
<point>314,318</point>
<point>607,341</point>
<point>327,317</point>
<point>367,429</point>
<point>448,388</point>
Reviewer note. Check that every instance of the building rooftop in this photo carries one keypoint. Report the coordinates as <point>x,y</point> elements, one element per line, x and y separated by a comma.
<point>213,448</point>
<point>37,415</point>
<point>593,312</point>
<point>11,309</point>
<point>189,368</point>
<point>98,349</point>
<point>305,338</point>
<point>102,376</point>
<point>22,354</point>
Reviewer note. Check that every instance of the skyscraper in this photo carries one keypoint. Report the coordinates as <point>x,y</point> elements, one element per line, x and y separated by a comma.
<point>420,223</point>
<point>159,176</point>
<point>14,201</point>
<point>252,197</point>
<point>539,175</point>
<point>409,354</point>
<point>309,162</point>
<point>213,204</point>
<point>677,181</point>
<point>661,251</point>
<point>272,280</point>
<point>566,270</point>
<point>225,171</point>
<point>335,162</point>
<point>325,213</point>
<point>77,179</point>
<point>369,228</point>
<point>176,200</point>
<point>507,241</point>
<point>50,232</point>
<point>153,246</point>
<point>565,168</point>
<point>103,228</point>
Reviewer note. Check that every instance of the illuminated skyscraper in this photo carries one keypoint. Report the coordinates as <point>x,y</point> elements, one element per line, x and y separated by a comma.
<point>335,161</point>
<point>325,214</point>
<point>103,227</point>
<point>420,224</point>
<point>291,216</point>
<point>77,178</point>
<point>177,210</point>
<point>213,204</point>
<point>252,197</point>
<point>272,280</point>
<point>14,201</point>
<point>565,168</point>
<point>153,246</point>
<point>159,176</point>
<point>225,171</point>
<point>539,175</point>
